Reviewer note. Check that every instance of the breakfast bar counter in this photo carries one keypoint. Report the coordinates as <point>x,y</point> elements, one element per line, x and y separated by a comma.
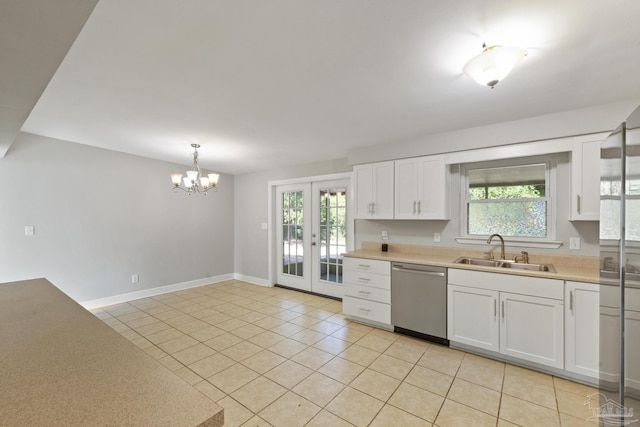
<point>62,366</point>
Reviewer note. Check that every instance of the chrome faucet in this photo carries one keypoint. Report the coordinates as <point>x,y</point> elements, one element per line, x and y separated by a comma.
<point>502,255</point>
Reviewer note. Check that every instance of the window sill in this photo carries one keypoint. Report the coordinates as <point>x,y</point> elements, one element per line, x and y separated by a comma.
<point>512,243</point>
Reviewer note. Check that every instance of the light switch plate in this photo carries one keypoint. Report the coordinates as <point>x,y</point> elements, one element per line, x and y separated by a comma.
<point>574,243</point>
<point>384,235</point>
<point>263,225</point>
<point>29,230</point>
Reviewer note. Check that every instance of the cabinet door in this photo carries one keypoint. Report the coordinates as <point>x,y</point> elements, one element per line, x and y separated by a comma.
<point>383,180</point>
<point>406,189</point>
<point>585,181</point>
<point>532,328</point>
<point>582,328</point>
<point>472,317</point>
<point>632,351</point>
<point>433,187</point>
<point>374,190</point>
<point>363,185</point>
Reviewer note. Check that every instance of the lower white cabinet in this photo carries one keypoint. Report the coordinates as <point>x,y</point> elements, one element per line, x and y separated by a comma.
<point>610,338</point>
<point>516,316</point>
<point>473,317</point>
<point>532,328</point>
<point>582,328</point>
<point>367,291</point>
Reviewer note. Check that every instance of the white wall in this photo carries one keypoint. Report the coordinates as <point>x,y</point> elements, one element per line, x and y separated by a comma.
<point>594,119</point>
<point>101,216</point>
<point>251,210</point>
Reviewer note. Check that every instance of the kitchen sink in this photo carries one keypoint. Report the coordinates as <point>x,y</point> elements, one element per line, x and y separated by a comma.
<point>478,261</point>
<point>529,267</point>
<point>505,264</point>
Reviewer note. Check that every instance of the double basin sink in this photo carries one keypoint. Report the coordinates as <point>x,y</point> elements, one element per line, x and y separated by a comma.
<point>505,263</point>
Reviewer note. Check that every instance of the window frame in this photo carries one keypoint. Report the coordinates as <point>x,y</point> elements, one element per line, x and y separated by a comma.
<point>550,162</point>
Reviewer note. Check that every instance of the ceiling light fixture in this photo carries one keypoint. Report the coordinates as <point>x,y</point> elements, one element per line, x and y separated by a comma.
<point>493,64</point>
<point>195,181</point>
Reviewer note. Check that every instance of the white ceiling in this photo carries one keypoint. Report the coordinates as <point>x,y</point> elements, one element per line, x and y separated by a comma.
<point>263,84</point>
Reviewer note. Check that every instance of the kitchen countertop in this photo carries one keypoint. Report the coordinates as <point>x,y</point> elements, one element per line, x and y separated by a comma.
<point>62,366</point>
<point>576,268</point>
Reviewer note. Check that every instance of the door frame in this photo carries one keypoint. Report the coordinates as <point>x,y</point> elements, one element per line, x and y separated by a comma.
<point>271,215</point>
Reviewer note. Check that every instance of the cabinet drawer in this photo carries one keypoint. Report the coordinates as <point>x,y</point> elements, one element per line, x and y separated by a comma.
<point>368,266</point>
<point>368,293</point>
<point>370,310</point>
<point>367,279</point>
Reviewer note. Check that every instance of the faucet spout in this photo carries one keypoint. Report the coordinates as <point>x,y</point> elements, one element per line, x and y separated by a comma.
<point>502,254</point>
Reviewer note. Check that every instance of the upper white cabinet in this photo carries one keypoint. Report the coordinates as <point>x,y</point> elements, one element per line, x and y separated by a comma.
<point>374,190</point>
<point>421,188</point>
<point>585,181</point>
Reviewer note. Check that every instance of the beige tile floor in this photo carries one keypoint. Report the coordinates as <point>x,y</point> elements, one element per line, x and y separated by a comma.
<point>276,357</point>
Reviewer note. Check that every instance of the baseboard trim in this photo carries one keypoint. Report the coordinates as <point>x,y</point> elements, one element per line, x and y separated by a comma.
<point>145,293</point>
<point>252,280</point>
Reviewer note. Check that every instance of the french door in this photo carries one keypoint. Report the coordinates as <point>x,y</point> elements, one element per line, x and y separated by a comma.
<point>312,234</point>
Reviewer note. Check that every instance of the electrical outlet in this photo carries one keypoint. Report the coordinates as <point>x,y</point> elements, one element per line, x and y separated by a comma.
<point>574,243</point>
<point>436,237</point>
<point>134,278</point>
<point>29,230</point>
<point>263,226</point>
<point>384,235</point>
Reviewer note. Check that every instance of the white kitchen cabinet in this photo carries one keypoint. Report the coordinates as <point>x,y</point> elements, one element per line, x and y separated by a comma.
<point>367,291</point>
<point>473,317</point>
<point>517,316</point>
<point>610,338</point>
<point>585,181</point>
<point>632,345</point>
<point>421,188</point>
<point>582,327</point>
<point>374,190</point>
<point>531,328</point>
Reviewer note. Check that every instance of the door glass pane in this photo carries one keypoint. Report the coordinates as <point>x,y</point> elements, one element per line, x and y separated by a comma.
<point>292,233</point>
<point>333,237</point>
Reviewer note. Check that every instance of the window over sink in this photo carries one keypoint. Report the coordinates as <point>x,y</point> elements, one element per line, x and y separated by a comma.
<point>511,197</point>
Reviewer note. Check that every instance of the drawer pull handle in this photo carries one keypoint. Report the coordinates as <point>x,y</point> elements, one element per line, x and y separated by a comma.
<point>364,279</point>
<point>364,266</point>
<point>364,292</point>
<point>365,310</point>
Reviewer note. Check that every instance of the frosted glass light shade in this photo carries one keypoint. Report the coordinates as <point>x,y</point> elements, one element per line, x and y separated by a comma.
<point>176,178</point>
<point>204,182</point>
<point>493,64</point>
<point>213,179</point>
<point>187,182</point>
<point>193,175</point>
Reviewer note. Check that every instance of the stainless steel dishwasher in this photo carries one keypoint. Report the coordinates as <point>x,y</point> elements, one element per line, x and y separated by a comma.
<point>419,301</point>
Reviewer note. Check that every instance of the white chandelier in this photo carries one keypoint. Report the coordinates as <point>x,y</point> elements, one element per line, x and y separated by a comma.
<point>195,181</point>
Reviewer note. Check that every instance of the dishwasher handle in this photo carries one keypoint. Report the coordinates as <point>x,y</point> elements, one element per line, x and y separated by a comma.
<point>417,271</point>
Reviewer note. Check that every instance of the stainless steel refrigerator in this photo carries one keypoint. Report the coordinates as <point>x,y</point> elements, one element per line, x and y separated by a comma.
<point>619,335</point>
